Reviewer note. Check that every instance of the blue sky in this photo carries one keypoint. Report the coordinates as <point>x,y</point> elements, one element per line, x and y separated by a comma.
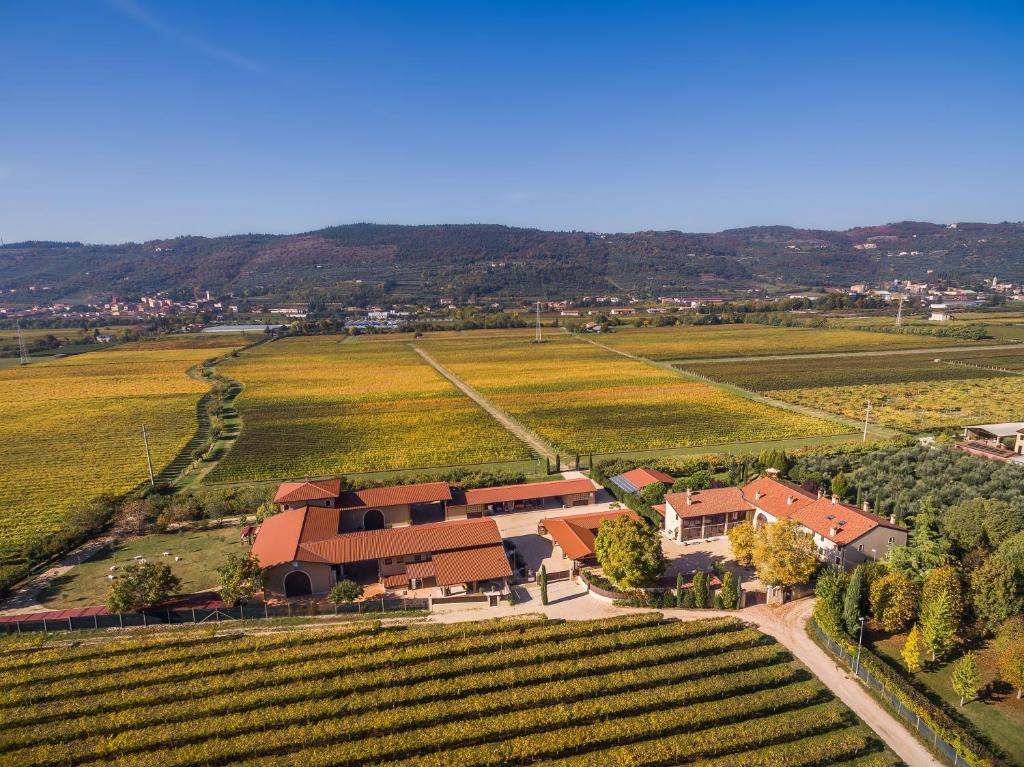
<point>133,119</point>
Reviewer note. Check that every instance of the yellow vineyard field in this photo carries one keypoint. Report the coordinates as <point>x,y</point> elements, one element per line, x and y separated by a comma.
<point>584,399</point>
<point>325,405</point>
<point>697,341</point>
<point>72,428</point>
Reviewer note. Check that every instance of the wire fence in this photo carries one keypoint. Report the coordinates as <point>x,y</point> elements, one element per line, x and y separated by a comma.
<point>100,619</point>
<point>940,746</point>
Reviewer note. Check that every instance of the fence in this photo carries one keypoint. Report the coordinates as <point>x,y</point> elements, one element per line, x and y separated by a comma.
<point>100,619</point>
<point>930,736</point>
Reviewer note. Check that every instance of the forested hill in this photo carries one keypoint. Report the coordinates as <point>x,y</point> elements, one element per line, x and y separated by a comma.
<point>424,262</point>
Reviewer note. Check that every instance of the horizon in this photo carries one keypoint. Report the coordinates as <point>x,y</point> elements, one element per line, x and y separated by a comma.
<point>132,117</point>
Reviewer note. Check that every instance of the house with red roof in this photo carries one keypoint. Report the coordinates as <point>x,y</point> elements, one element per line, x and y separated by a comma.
<point>845,535</point>
<point>635,480</point>
<point>371,509</point>
<point>303,553</point>
<point>699,514</point>
<point>575,535</point>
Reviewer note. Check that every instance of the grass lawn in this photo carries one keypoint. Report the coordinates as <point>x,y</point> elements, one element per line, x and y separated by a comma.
<point>201,552</point>
<point>999,716</point>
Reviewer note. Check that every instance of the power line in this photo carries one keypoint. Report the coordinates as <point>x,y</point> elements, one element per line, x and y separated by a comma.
<point>21,345</point>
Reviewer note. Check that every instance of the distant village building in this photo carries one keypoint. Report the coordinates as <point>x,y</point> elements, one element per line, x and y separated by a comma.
<point>996,441</point>
<point>940,313</point>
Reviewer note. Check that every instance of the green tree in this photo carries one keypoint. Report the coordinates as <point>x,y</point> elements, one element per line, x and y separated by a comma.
<point>742,538</point>
<point>937,627</point>
<point>980,523</point>
<point>840,486</point>
<point>346,591</point>
<point>729,593</point>
<point>700,589</point>
<point>542,581</point>
<point>946,580</point>
<point>654,493</point>
<point>241,578</point>
<point>679,589</point>
<point>630,552</point>
<point>854,601</point>
<point>1011,667</point>
<point>266,509</point>
<point>911,651</point>
<point>927,549</point>
<point>784,555</point>
<point>699,480</point>
<point>139,586</point>
<point>894,599</point>
<point>830,591</point>
<point>996,592</point>
<point>966,678</point>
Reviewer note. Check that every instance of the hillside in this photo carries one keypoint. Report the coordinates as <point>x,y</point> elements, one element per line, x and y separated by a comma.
<point>424,262</point>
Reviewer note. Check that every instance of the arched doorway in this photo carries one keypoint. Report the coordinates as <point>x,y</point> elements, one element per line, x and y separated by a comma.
<point>297,584</point>
<point>373,520</point>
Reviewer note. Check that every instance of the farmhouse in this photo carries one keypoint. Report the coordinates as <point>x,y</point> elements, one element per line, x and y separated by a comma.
<point>575,536</point>
<point>636,480</point>
<point>495,500</point>
<point>304,552</point>
<point>844,534</point>
<point>698,514</point>
<point>373,508</point>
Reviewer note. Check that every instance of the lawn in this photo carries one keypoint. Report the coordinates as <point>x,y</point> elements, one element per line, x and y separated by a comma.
<point>999,717</point>
<point>627,690</point>
<point>709,341</point>
<point>201,552</point>
<point>323,405</point>
<point>72,429</point>
<point>584,399</point>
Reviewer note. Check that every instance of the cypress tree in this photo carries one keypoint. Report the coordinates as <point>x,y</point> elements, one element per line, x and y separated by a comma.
<point>542,581</point>
<point>679,589</point>
<point>938,627</point>
<point>700,589</point>
<point>853,601</point>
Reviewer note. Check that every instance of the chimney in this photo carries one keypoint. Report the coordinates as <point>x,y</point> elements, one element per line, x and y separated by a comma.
<point>689,500</point>
<point>821,493</point>
<point>866,506</point>
<point>835,499</point>
<point>892,518</point>
<point>689,492</point>
<point>757,495</point>
<point>789,500</point>
<point>833,531</point>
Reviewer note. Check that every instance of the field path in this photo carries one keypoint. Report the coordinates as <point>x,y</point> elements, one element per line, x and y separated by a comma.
<point>827,355</point>
<point>541,447</point>
<point>875,431</point>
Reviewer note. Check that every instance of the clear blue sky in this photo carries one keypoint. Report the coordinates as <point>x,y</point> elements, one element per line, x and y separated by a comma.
<point>133,119</point>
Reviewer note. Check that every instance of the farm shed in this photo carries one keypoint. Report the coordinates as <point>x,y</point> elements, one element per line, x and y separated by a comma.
<point>575,536</point>
<point>563,493</point>
<point>636,480</point>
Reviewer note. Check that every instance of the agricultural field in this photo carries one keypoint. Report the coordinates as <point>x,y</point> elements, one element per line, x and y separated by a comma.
<point>629,690</point>
<point>584,399</point>
<point>325,405</point>
<point>72,429</point>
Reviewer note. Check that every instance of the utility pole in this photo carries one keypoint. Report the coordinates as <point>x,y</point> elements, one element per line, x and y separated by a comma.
<point>867,414</point>
<point>899,313</point>
<point>538,337</point>
<point>21,345</point>
<point>149,459</point>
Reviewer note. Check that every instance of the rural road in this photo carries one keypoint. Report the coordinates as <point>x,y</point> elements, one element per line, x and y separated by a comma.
<point>933,350</point>
<point>541,447</point>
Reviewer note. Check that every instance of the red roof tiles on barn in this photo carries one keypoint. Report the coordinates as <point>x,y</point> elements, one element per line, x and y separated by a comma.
<point>699,503</point>
<point>396,495</point>
<point>576,534</point>
<point>529,491</point>
<point>479,564</point>
<point>309,490</point>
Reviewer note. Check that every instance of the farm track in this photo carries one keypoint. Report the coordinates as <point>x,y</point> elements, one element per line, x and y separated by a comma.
<point>831,355</point>
<point>875,431</point>
<point>524,434</point>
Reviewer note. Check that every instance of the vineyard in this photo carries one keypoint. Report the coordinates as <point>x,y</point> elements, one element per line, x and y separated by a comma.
<point>323,405</point>
<point>699,341</point>
<point>73,428</point>
<point>583,399</point>
<point>628,690</point>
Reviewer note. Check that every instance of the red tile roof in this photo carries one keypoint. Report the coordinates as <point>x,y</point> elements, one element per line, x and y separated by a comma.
<point>478,564</point>
<point>659,507</point>
<point>839,522</point>
<point>396,495</point>
<point>576,534</point>
<point>720,500</point>
<point>310,490</point>
<point>402,541</point>
<point>420,570</point>
<point>529,491</point>
<point>642,477</point>
<point>278,538</point>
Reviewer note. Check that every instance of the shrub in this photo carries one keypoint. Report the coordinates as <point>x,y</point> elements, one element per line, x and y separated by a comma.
<point>346,591</point>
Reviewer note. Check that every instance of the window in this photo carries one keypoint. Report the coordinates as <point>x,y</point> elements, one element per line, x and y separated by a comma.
<point>400,560</point>
<point>387,561</point>
<point>860,547</point>
<point>891,540</point>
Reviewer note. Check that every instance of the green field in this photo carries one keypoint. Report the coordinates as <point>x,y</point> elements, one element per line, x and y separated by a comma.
<point>709,341</point>
<point>583,399</point>
<point>631,690</point>
<point>323,405</point>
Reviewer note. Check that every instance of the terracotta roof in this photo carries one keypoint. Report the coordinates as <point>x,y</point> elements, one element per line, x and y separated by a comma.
<point>477,564</point>
<point>320,523</point>
<point>396,495</point>
<point>529,491</point>
<point>420,569</point>
<point>402,541</point>
<point>839,522</point>
<point>659,507</point>
<point>278,538</point>
<point>637,479</point>
<point>310,490</point>
<point>396,581</point>
<point>720,500</point>
<point>576,534</point>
